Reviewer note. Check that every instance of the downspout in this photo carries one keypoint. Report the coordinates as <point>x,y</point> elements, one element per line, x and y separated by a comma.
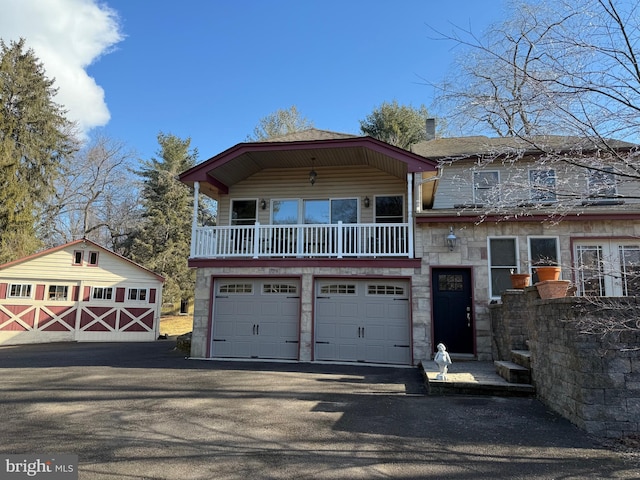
<point>410,212</point>
<point>194,221</point>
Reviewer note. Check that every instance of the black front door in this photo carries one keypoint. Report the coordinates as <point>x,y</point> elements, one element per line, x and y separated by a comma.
<point>452,312</point>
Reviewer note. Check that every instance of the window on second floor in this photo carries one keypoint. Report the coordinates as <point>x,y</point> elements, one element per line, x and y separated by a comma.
<point>543,185</point>
<point>243,212</point>
<point>93,259</point>
<point>601,183</point>
<point>486,187</point>
<point>389,209</point>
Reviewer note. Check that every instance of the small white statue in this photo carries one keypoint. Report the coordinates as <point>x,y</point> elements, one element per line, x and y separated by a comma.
<point>443,360</point>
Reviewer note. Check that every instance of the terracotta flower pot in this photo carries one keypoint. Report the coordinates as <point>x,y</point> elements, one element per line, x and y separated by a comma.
<point>553,288</point>
<point>520,280</point>
<point>548,273</point>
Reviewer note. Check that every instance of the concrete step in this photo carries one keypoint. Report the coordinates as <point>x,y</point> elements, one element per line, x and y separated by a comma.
<point>472,378</point>
<point>512,372</point>
<point>522,358</point>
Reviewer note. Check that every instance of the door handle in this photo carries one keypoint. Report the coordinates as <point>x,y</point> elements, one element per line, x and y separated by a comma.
<point>468,319</point>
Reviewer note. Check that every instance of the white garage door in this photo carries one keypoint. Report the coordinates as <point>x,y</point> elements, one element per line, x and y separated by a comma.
<point>256,318</point>
<point>363,321</point>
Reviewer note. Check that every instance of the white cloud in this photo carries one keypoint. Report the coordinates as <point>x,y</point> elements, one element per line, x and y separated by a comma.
<point>67,36</point>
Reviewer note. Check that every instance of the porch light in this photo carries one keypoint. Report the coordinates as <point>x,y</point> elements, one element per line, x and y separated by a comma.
<point>263,204</point>
<point>451,239</point>
<point>312,173</point>
<point>366,202</point>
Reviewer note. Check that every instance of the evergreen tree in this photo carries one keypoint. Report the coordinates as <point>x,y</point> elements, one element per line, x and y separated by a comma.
<point>398,125</point>
<point>35,137</point>
<point>162,243</point>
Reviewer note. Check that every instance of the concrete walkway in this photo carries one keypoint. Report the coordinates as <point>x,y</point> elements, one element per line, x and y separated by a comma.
<point>143,411</point>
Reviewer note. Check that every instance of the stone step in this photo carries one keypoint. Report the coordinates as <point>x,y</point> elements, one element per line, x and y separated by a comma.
<point>512,372</point>
<point>522,358</point>
<point>471,378</point>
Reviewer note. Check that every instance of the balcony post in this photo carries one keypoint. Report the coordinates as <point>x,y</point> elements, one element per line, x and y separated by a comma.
<point>194,221</point>
<point>339,245</point>
<point>256,239</point>
<point>410,213</point>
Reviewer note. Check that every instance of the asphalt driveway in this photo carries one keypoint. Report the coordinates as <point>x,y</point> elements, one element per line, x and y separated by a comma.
<point>143,411</point>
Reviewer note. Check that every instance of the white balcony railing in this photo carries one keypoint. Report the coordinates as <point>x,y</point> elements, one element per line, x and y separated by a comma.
<point>333,240</point>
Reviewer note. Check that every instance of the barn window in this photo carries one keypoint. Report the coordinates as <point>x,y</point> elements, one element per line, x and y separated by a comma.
<point>58,292</point>
<point>236,288</point>
<point>93,258</point>
<point>384,290</point>
<point>77,257</point>
<point>102,293</point>
<point>137,294</point>
<point>339,288</point>
<point>20,290</point>
<point>279,288</point>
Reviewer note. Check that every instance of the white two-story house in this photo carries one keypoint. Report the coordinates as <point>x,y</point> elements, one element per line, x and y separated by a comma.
<point>339,248</point>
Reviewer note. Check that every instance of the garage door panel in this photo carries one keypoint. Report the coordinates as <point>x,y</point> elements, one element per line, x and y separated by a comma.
<point>256,318</point>
<point>348,310</point>
<point>375,311</point>
<point>373,321</point>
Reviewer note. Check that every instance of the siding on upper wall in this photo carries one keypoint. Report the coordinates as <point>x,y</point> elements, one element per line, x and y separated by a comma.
<point>332,182</point>
<point>456,185</point>
<point>58,266</point>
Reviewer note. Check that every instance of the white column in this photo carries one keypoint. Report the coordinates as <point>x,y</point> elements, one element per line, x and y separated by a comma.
<point>194,221</point>
<point>410,212</point>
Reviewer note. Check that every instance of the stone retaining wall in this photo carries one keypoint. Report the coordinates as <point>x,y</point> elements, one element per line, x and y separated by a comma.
<point>592,381</point>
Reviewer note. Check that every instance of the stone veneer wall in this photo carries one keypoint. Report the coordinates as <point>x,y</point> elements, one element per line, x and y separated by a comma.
<point>421,320</point>
<point>593,382</point>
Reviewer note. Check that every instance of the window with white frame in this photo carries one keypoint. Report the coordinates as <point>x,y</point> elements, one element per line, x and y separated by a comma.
<point>486,187</point>
<point>601,183</point>
<point>543,185</point>
<point>389,209</point>
<point>58,292</point>
<point>542,251</point>
<point>137,294</point>
<point>503,259</point>
<point>608,268</point>
<point>20,290</point>
<point>102,293</point>
<point>243,212</point>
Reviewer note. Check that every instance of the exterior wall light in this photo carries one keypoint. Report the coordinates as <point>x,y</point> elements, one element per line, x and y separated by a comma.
<point>263,204</point>
<point>366,202</point>
<point>452,240</point>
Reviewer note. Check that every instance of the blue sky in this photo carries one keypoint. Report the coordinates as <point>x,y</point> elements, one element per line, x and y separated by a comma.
<point>210,70</point>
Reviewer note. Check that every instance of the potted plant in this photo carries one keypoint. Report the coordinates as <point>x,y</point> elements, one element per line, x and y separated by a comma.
<point>519,280</point>
<point>547,270</point>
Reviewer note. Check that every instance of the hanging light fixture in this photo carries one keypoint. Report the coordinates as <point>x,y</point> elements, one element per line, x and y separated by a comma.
<point>451,239</point>
<point>312,173</point>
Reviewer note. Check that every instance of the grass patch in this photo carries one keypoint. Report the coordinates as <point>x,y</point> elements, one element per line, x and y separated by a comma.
<point>176,324</point>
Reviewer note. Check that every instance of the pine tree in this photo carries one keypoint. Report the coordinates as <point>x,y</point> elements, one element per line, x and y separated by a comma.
<point>162,243</point>
<point>35,137</point>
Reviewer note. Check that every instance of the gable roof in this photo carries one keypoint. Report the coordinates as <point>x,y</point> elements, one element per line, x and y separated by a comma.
<point>309,148</point>
<point>79,242</point>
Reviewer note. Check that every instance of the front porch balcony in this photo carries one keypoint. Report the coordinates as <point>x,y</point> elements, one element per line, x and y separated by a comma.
<point>303,241</point>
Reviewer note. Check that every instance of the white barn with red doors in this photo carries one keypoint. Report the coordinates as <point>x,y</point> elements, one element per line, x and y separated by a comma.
<point>79,291</point>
